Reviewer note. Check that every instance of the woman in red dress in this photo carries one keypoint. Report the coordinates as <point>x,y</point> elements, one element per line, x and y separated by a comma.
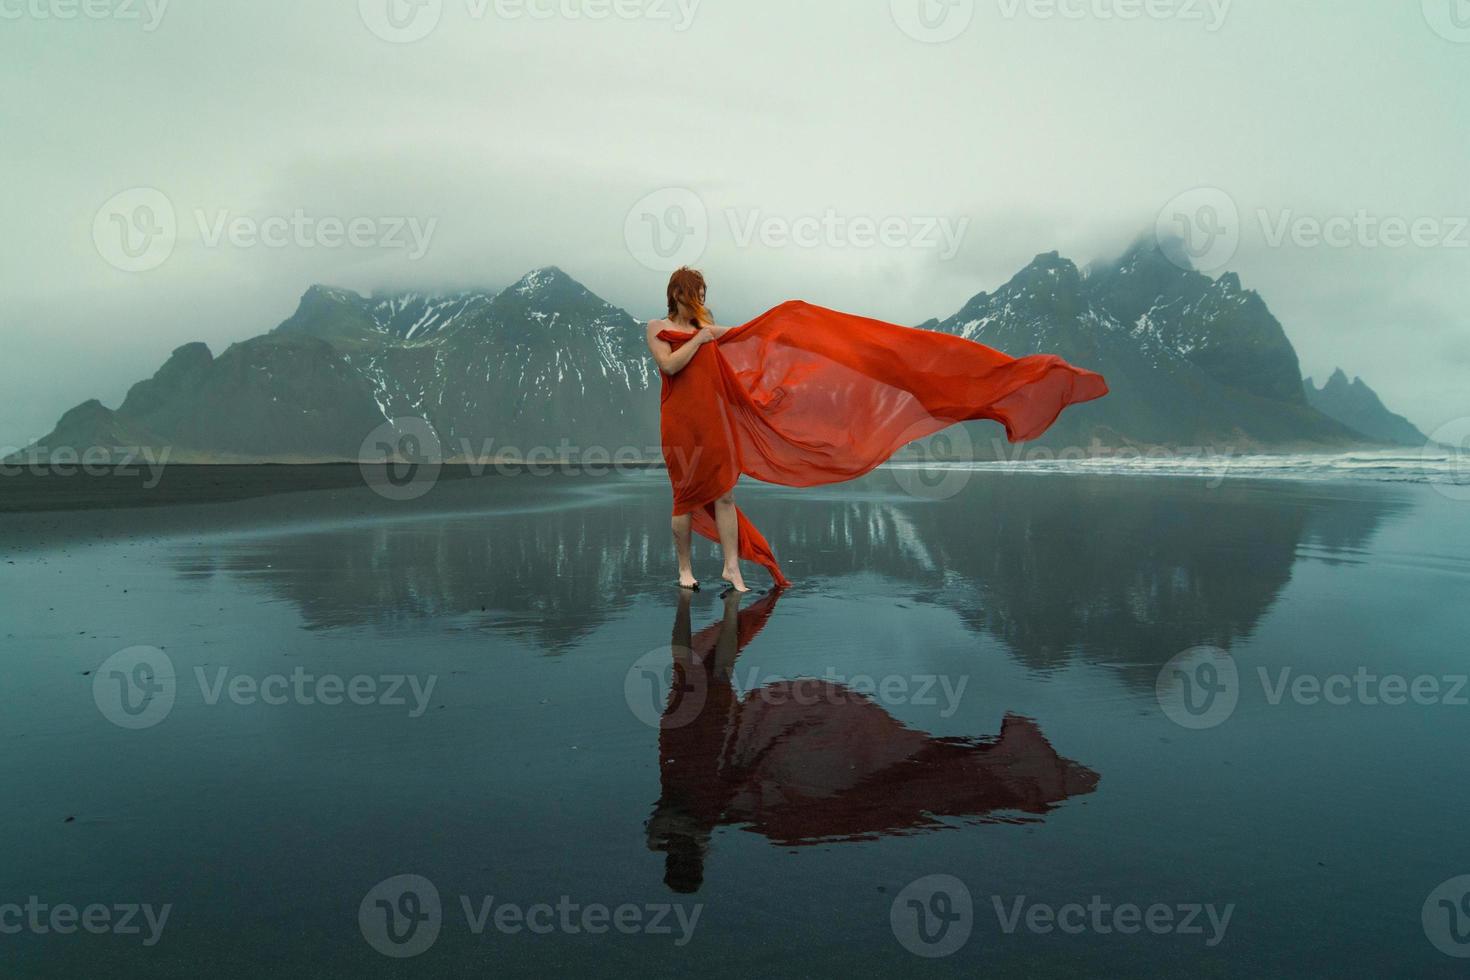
<point>802,396</point>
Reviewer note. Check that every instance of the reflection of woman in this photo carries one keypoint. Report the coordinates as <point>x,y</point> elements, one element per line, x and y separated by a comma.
<point>811,760</point>
<point>802,396</point>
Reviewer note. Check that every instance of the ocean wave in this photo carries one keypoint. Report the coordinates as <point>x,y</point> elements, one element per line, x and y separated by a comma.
<point>1390,466</point>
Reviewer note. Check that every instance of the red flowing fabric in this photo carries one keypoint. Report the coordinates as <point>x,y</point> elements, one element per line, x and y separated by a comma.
<point>802,396</point>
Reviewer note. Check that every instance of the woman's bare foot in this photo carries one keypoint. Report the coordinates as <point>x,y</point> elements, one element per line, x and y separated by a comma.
<point>687,579</point>
<point>732,575</point>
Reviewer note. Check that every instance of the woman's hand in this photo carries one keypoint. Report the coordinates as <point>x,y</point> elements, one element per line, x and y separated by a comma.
<point>704,336</point>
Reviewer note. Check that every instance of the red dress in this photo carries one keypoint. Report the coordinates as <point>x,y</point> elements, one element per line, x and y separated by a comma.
<point>802,396</point>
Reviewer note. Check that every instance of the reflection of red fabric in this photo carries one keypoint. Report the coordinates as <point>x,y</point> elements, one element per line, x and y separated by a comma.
<point>809,760</point>
<point>802,396</point>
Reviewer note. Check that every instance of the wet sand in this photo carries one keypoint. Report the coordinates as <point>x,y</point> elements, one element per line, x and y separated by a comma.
<point>965,687</point>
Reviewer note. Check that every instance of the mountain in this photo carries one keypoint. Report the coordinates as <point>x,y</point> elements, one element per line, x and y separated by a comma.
<point>546,365</point>
<point>1358,407</point>
<point>543,365</point>
<point>1191,361</point>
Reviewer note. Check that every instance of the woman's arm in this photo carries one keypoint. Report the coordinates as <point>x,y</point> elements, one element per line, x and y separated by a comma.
<point>672,361</point>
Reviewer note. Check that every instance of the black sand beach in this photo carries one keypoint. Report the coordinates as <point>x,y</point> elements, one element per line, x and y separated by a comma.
<point>991,661</point>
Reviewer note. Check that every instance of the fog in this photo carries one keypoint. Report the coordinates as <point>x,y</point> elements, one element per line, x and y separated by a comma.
<point>297,143</point>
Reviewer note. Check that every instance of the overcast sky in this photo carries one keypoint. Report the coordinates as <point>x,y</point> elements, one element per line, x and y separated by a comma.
<point>522,133</point>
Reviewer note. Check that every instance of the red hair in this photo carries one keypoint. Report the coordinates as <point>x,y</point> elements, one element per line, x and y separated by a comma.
<point>686,288</point>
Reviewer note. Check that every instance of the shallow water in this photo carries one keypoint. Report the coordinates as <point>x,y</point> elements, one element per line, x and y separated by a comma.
<point>962,688</point>
<point>1443,467</point>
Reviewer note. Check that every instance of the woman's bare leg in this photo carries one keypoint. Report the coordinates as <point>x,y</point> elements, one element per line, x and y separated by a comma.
<point>729,524</point>
<point>682,523</point>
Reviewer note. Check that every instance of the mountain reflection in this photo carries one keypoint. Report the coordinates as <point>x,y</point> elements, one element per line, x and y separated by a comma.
<point>808,761</point>
<point>1117,570</point>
